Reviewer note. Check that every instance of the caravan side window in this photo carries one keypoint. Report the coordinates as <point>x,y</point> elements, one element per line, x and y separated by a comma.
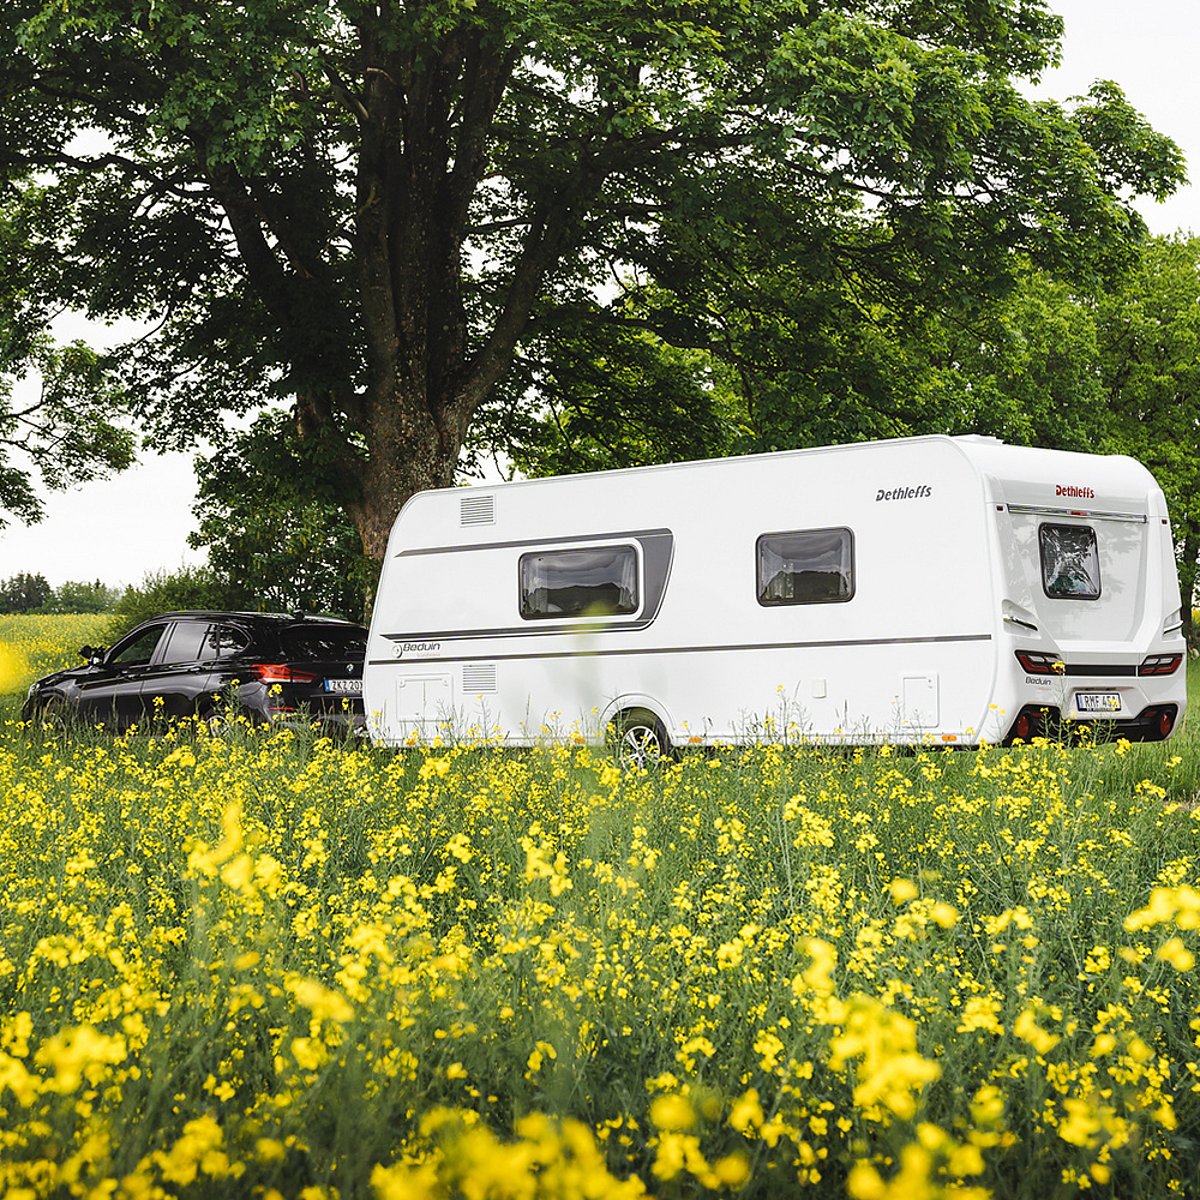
<point>811,566</point>
<point>1070,562</point>
<point>597,581</point>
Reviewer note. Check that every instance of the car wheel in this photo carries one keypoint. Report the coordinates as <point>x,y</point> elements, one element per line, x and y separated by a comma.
<point>218,722</point>
<point>638,740</point>
<point>55,714</point>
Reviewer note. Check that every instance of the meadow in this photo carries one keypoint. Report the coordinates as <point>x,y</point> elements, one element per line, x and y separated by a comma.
<point>31,646</point>
<point>269,965</point>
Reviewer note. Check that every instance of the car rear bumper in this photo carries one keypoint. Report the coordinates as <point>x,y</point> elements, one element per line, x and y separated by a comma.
<point>1154,723</point>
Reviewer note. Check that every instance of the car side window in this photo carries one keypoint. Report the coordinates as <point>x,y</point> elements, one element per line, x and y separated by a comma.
<point>223,641</point>
<point>187,638</point>
<point>139,650</point>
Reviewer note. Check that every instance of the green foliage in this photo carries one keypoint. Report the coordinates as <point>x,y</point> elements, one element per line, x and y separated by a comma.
<point>24,593</point>
<point>371,212</point>
<point>1149,335</point>
<point>76,597</point>
<point>60,409</point>
<point>184,588</point>
<point>608,395</point>
<point>290,541</point>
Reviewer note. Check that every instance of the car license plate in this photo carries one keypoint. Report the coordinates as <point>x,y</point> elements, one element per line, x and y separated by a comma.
<point>1098,701</point>
<point>344,687</point>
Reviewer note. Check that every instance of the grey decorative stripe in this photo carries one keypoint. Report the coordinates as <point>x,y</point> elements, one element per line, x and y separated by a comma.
<point>451,658</point>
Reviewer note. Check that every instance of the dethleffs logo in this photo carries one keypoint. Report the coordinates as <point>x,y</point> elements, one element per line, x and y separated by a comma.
<point>1076,493</point>
<point>919,491</point>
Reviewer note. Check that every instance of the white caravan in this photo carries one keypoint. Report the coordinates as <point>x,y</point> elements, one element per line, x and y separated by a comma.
<point>935,589</point>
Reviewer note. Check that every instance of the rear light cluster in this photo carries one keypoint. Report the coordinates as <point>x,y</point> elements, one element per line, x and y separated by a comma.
<point>1035,663</point>
<point>1160,664</point>
<point>282,673</point>
<point>1040,664</point>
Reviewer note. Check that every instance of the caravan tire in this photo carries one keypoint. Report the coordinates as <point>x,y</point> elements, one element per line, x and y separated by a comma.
<point>638,740</point>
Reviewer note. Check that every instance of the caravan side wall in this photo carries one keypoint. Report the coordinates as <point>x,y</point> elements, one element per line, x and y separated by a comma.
<point>910,655</point>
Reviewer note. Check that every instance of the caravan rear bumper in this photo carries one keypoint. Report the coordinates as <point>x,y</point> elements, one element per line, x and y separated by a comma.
<point>1153,724</point>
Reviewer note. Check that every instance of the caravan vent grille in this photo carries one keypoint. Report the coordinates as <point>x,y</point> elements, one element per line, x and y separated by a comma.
<point>478,677</point>
<point>478,510</point>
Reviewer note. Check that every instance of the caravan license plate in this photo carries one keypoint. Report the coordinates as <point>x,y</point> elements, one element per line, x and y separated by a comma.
<point>1098,701</point>
<point>344,687</point>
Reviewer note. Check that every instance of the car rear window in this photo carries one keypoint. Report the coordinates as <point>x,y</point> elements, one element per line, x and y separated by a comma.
<point>317,642</point>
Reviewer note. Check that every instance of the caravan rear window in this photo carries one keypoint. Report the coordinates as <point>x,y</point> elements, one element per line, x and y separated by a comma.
<point>1070,562</point>
<point>811,566</point>
<point>596,581</point>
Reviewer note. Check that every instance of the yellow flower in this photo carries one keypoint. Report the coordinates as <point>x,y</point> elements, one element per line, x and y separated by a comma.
<point>1028,1030</point>
<point>1173,951</point>
<point>672,1112</point>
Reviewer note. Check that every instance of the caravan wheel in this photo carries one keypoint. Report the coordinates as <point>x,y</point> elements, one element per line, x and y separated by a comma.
<point>638,739</point>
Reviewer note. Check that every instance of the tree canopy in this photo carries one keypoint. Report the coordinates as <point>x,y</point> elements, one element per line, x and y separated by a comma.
<point>1148,333</point>
<point>397,217</point>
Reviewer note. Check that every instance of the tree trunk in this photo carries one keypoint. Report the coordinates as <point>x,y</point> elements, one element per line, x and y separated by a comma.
<point>410,452</point>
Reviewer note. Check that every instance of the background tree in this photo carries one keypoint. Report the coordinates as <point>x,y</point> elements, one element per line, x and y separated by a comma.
<point>367,209</point>
<point>79,597</point>
<point>24,593</point>
<point>292,546</point>
<point>1149,337</point>
<point>167,591</point>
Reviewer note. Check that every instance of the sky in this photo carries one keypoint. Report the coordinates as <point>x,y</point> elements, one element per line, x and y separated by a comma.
<point>117,530</point>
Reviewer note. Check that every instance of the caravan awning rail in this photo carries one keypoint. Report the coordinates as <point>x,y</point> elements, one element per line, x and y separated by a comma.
<point>1093,514</point>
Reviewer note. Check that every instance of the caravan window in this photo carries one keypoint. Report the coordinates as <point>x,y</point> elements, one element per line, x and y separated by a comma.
<point>1070,562</point>
<point>588,582</point>
<point>811,566</point>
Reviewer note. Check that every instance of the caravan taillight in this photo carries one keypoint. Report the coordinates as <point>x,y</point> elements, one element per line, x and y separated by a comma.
<point>1160,664</point>
<point>1039,664</point>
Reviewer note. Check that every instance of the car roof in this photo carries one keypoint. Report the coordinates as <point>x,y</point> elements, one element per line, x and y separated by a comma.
<point>296,618</point>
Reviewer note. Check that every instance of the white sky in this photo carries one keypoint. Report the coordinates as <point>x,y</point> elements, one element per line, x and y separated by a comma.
<point>118,530</point>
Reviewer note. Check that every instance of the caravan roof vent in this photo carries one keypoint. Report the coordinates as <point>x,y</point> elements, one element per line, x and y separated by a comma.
<point>477,510</point>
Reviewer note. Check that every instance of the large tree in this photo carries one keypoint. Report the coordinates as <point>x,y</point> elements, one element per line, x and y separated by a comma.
<point>1149,336</point>
<point>368,209</point>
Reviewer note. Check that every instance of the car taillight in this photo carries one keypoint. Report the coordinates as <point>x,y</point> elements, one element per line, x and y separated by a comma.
<point>1160,664</point>
<point>1039,664</point>
<point>282,673</point>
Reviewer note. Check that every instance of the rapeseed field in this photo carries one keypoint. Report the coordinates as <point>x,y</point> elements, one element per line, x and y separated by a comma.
<point>269,965</point>
<point>31,646</point>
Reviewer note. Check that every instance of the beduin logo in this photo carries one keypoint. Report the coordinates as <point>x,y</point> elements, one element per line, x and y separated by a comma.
<point>1075,493</point>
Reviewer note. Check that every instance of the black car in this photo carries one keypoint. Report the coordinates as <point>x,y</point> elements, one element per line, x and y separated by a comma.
<point>279,668</point>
